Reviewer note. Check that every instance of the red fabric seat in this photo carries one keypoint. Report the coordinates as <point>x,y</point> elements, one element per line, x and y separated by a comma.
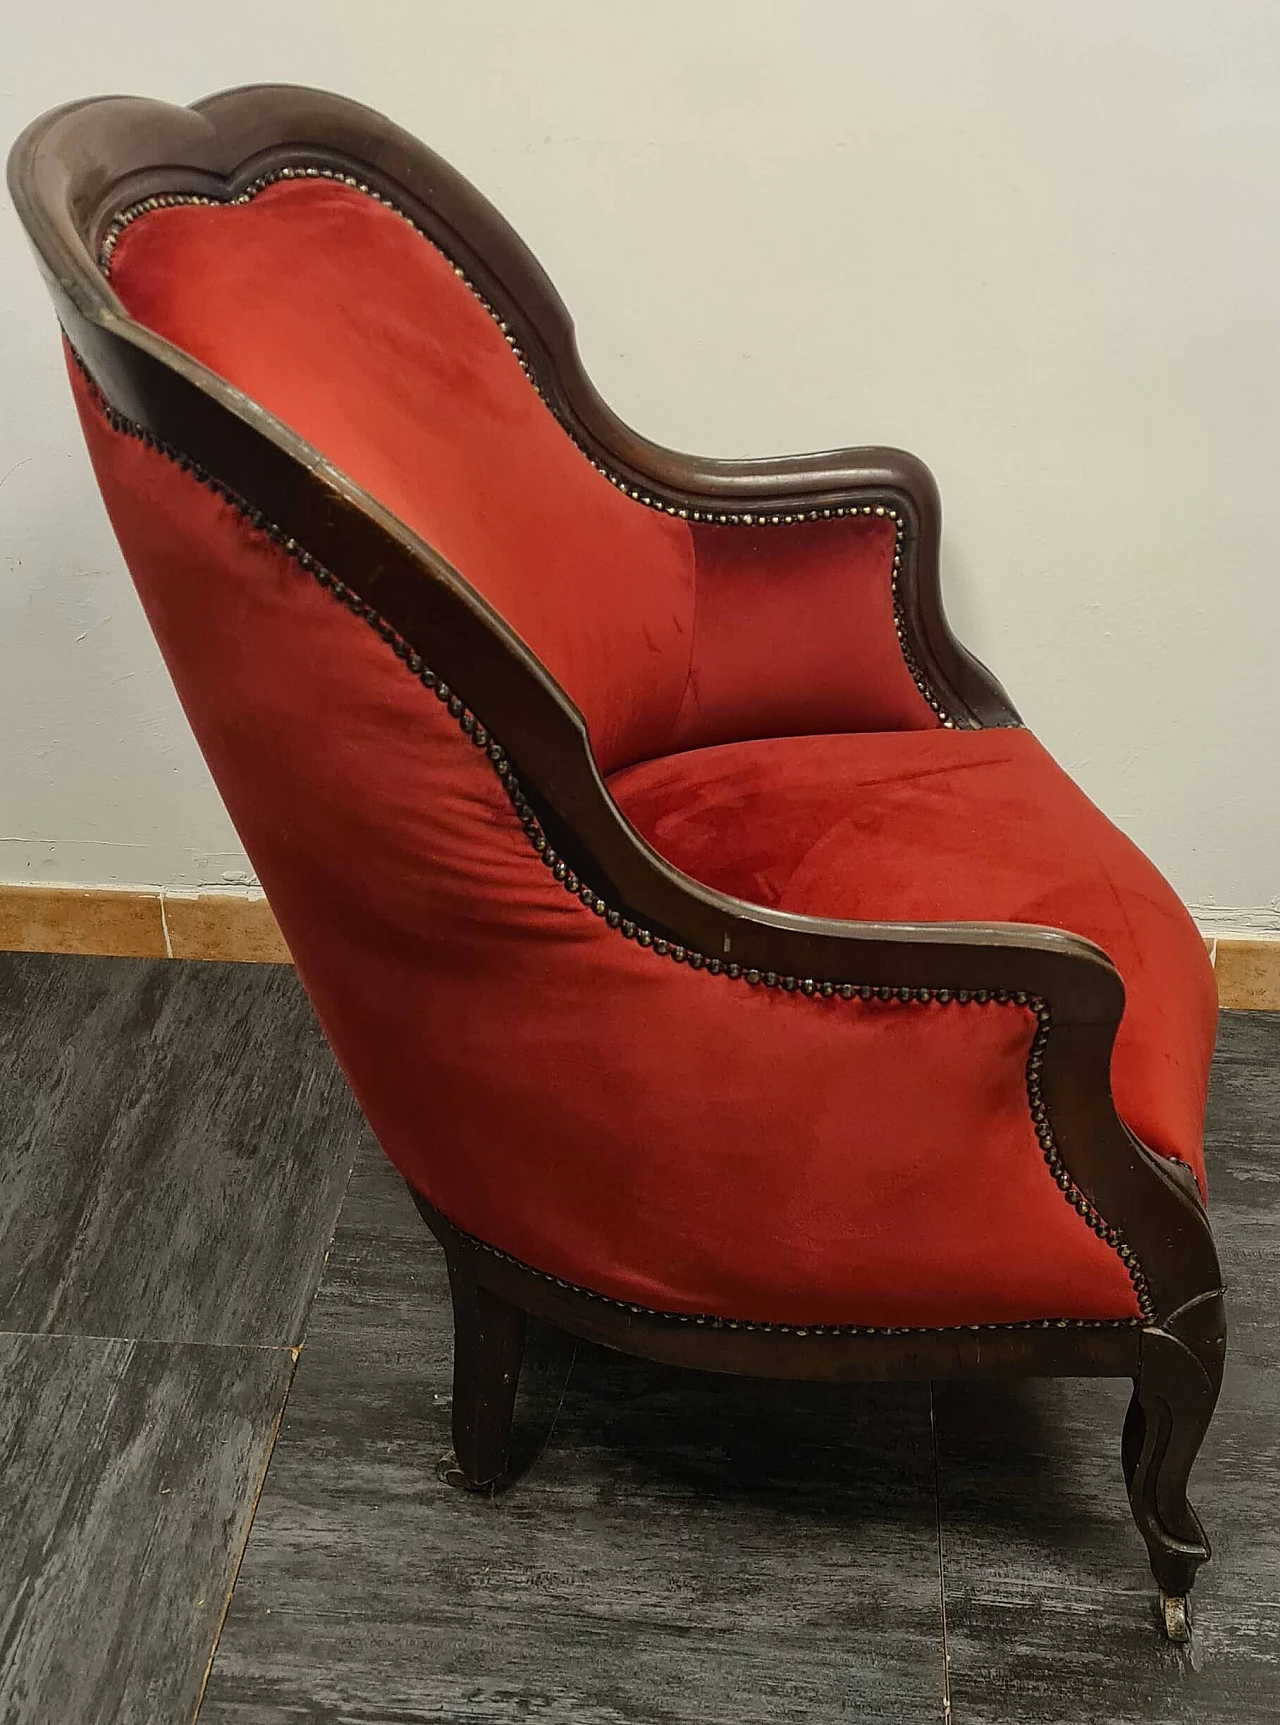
<point>951,826</point>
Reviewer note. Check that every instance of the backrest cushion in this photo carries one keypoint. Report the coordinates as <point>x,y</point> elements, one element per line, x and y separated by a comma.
<point>330,310</point>
<point>821,653</point>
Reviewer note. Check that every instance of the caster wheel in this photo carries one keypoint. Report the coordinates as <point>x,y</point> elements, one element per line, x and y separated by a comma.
<point>1174,1615</point>
<point>449,1473</point>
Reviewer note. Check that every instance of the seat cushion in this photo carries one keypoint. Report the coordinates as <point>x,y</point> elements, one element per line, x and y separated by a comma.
<point>954,826</point>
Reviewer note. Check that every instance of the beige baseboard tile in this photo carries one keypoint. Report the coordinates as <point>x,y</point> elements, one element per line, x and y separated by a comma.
<point>137,923</point>
<point>1248,973</point>
<point>133,922</point>
<point>220,925</point>
<point>122,922</point>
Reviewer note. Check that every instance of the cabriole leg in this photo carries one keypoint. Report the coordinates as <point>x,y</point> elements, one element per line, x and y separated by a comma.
<point>1174,1396</point>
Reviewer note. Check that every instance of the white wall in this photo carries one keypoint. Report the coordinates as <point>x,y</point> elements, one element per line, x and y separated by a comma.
<point>1034,240</point>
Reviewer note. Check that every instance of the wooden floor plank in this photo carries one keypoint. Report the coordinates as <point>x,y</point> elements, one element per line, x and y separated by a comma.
<point>128,1474</point>
<point>684,1548</point>
<point>176,1139</point>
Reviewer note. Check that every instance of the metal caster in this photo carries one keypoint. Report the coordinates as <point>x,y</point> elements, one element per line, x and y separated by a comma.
<point>448,1472</point>
<point>1175,1617</point>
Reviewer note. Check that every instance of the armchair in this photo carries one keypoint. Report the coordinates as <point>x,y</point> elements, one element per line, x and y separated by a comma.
<point>731,976</point>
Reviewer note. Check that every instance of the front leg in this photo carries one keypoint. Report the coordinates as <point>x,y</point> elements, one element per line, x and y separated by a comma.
<point>1174,1397</point>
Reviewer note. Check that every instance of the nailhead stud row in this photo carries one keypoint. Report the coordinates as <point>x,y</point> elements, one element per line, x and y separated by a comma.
<point>707,1321</point>
<point>1071,1192</point>
<point>649,499</point>
<point>561,871</point>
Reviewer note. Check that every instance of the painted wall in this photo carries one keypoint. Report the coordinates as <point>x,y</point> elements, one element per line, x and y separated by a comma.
<point>1036,243</point>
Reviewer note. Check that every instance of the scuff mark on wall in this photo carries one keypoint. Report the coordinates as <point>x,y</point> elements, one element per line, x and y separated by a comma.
<point>1228,922</point>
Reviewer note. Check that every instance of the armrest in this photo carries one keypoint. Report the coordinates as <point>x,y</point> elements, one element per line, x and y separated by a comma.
<point>1070,986</point>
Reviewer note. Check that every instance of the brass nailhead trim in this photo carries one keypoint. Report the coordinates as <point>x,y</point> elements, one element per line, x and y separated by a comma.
<point>481,738</point>
<point>648,499</point>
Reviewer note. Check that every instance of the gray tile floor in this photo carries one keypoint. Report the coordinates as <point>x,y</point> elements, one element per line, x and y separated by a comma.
<point>176,1146</point>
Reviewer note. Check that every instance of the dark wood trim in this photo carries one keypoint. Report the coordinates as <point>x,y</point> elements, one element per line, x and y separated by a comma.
<point>73,171</point>
<point>1063,1348</point>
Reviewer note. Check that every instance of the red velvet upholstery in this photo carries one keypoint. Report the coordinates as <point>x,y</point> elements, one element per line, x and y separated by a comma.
<point>661,1135</point>
<point>330,310</point>
<point>793,633</point>
<point>951,826</point>
<point>658,1134</point>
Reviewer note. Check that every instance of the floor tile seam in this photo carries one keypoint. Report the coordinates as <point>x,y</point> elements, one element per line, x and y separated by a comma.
<point>238,1562</point>
<point>293,1348</point>
<point>322,1277</point>
<point>942,1562</point>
